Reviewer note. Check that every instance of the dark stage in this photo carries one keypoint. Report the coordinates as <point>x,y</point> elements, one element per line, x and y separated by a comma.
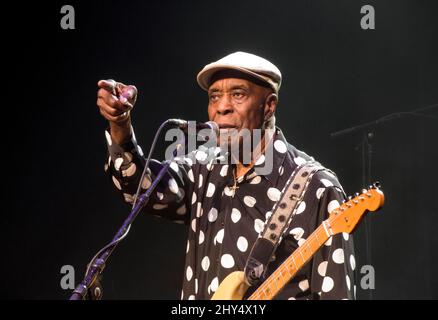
<point>59,206</point>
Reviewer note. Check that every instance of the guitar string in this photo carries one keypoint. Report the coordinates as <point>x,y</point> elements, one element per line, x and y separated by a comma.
<point>309,240</point>
<point>273,279</point>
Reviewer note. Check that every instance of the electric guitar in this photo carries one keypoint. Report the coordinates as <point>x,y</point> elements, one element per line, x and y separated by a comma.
<point>342,219</point>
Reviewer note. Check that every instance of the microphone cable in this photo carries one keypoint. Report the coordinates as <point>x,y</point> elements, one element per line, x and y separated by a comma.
<point>114,242</point>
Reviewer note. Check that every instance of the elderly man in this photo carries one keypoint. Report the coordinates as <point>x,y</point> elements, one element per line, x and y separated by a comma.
<point>225,205</point>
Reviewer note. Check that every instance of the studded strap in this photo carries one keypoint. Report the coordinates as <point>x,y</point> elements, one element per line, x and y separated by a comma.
<point>282,214</point>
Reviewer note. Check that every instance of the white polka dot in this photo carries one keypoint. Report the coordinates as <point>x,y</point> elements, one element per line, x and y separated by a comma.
<point>352,262</point>
<point>159,206</point>
<point>224,170</point>
<point>214,284</point>
<point>338,256</point>
<point>117,183</point>
<point>258,225</point>
<point>268,215</point>
<point>188,246</point>
<point>188,161</point>
<point>173,186</point>
<point>235,215</point>
<point>160,195</point>
<point>304,285</point>
<point>346,236</point>
<point>280,146</point>
<point>194,225</point>
<point>322,268</point>
<point>193,198</point>
<point>256,180</point>
<point>291,298</point>
<point>181,210</point>
<point>274,194</point>
<point>146,183</point>
<point>260,160</point>
<point>327,284</point>
<point>320,192</point>
<point>190,175</point>
<point>201,156</point>
<point>205,263</point>
<point>326,183</point>
<point>297,233</point>
<point>130,171</point>
<point>227,261</point>
<point>174,166</point>
<point>199,210</point>
<point>128,197</point>
<point>249,201</point>
<point>118,163</point>
<point>347,278</point>
<point>201,237</point>
<point>196,286</point>
<point>201,179</point>
<point>191,297</point>
<point>108,138</point>
<point>210,166</point>
<point>182,294</point>
<point>299,161</point>
<point>210,190</point>
<point>332,205</point>
<point>301,242</point>
<point>219,236</point>
<point>212,215</point>
<point>328,243</point>
<point>280,170</point>
<point>228,191</point>
<point>301,207</point>
<point>189,273</point>
<point>242,244</point>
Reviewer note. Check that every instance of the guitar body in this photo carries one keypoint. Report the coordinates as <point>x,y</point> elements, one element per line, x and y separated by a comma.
<point>232,288</point>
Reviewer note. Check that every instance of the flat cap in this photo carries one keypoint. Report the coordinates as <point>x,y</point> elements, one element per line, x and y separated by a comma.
<point>248,63</point>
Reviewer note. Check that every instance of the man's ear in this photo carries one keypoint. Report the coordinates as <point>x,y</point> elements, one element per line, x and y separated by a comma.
<point>271,102</point>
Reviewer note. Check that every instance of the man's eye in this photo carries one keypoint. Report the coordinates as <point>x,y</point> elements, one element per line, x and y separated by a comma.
<point>214,97</point>
<point>238,95</point>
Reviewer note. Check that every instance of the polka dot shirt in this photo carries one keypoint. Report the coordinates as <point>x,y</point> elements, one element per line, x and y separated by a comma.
<point>224,223</point>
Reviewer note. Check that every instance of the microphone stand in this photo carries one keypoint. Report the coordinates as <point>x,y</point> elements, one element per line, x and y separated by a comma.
<point>366,146</point>
<point>97,265</point>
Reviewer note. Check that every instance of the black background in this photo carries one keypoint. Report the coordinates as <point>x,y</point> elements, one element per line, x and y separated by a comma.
<point>59,208</point>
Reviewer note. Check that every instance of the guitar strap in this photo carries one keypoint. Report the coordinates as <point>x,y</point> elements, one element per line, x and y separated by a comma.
<point>277,224</point>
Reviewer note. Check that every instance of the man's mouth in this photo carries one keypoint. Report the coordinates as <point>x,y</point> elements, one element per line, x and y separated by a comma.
<point>227,126</point>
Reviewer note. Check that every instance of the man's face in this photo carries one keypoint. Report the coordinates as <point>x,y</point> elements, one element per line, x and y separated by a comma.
<point>237,104</point>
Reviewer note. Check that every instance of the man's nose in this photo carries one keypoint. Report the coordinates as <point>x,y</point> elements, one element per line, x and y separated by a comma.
<point>224,105</point>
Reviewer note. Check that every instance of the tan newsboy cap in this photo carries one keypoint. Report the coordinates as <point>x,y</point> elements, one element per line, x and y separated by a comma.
<point>248,63</point>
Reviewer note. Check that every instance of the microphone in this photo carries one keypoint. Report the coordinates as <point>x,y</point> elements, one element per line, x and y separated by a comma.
<point>184,125</point>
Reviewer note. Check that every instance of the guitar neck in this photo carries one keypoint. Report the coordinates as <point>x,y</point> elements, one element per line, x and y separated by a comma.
<point>287,270</point>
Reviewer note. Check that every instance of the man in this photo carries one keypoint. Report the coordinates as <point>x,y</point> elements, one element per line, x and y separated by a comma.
<point>225,205</point>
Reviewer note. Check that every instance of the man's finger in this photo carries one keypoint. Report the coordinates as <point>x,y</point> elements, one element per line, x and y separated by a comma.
<point>114,103</point>
<point>109,85</point>
<point>129,92</point>
<point>109,110</point>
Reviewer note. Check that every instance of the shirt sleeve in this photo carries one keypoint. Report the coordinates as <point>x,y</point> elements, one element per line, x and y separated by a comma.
<point>124,168</point>
<point>332,271</point>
